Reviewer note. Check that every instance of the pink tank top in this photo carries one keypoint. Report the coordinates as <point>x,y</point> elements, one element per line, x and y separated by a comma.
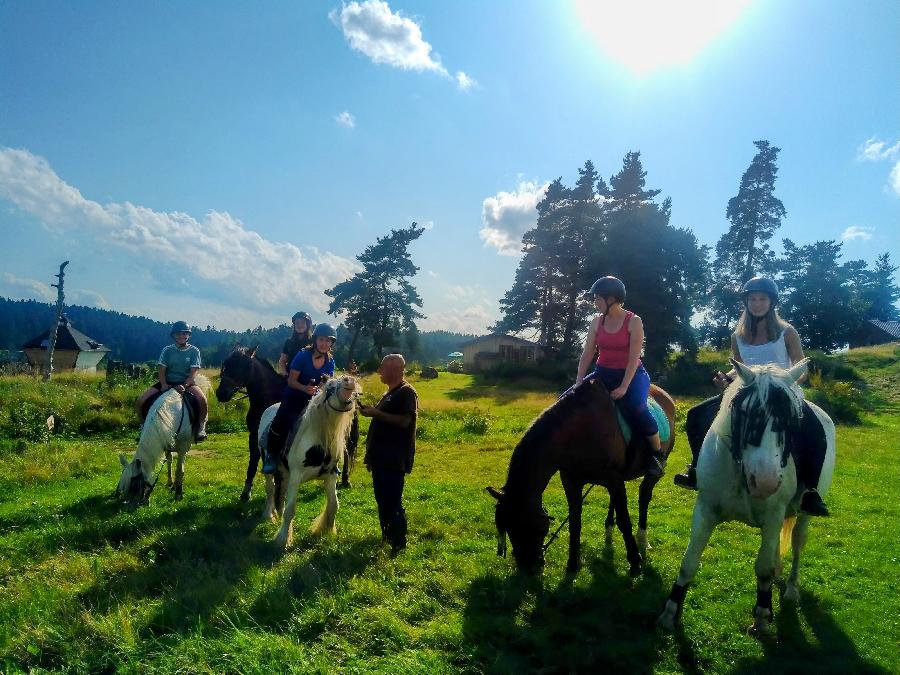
<point>613,347</point>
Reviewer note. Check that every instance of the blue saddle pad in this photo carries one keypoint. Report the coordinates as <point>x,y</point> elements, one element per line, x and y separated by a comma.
<point>662,422</point>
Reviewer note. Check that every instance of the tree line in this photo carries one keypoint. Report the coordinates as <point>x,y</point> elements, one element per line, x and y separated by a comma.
<point>621,228</point>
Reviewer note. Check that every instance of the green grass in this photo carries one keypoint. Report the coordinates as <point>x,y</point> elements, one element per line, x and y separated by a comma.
<point>197,586</point>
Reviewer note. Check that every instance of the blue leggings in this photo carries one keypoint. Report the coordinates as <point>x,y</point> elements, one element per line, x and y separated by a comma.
<point>633,405</point>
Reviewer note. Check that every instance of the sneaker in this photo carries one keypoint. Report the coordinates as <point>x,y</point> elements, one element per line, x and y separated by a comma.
<point>812,504</point>
<point>688,479</point>
<point>270,464</point>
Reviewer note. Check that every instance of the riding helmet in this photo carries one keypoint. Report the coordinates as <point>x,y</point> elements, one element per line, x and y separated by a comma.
<point>325,330</point>
<point>607,287</point>
<point>302,315</point>
<point>760,284</point>
<point>181,327</point>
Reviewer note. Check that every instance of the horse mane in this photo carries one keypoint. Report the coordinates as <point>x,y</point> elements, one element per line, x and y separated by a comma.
<point>746,409</point>
<point>246,351</point>
<point>538,434</point>
<point>320,422</point>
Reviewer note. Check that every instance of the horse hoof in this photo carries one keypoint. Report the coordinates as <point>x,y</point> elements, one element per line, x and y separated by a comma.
<point>171,486</point>
<point>634,571</point>
<point>665,621</point>
<point>791,594</point>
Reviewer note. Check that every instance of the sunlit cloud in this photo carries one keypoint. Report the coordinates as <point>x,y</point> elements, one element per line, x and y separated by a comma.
<point>875,150</point>
<point>345,119</point>
<point>857,232</point>
<point>464,82</point>
<point>26,289</point>
<point>506,216</point>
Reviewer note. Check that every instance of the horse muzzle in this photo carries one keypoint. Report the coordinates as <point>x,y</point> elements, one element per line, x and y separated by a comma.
<point>762,485</point>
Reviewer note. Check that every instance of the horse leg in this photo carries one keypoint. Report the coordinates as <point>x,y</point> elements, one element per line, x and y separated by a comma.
<point>179,474</point>
<point>281,479</point>
<point>610,523</point>
<point>766,561</point>
<point>798,541</point>
<point>170,484</point>
<point>645,494</point>
<point>702,524</point>
<point>269,510</point>
<point>324,522</point>
<point>619,497</point>
<point>285,534</point>
<point>573,496</point>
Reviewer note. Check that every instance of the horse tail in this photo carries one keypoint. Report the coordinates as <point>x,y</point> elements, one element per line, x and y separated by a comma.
<point>787,530</point>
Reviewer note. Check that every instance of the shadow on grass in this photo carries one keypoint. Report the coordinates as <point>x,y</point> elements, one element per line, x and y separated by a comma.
<point>500,392</point>
<point>832,651</point>
<point>517,625</point>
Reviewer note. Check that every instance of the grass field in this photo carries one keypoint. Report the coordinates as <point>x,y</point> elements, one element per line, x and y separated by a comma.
<point>197,586</point>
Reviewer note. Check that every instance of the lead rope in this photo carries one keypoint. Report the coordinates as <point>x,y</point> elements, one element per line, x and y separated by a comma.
<point>566,520</point>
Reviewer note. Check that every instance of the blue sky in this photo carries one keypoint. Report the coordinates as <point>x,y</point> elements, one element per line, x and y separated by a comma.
<point>224,163</point>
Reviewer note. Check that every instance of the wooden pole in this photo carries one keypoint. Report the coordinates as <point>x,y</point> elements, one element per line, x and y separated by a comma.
<point>60,298</point>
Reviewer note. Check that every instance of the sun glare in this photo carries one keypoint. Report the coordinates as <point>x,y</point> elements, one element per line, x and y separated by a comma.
<point>645,35</point>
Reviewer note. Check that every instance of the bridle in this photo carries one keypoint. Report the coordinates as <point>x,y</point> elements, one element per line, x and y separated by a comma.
<point>234,386</point>
<point>350,403</point>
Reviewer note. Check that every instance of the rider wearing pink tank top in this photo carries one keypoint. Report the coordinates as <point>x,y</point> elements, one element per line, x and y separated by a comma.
<point>613,347</point>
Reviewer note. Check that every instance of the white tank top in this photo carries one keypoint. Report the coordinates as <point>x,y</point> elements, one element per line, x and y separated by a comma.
<point>770,352</point>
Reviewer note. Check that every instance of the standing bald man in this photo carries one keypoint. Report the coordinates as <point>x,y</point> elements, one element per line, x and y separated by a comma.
<point>391,447</point>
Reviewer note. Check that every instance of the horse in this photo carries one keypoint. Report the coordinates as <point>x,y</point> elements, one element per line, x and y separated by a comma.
<point>319,440</point>
<point>242,372</point>
<point>746,473</point>
<point>580,437</point>
<point>167,428</point>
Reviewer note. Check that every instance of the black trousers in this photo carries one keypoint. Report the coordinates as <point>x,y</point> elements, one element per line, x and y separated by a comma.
<point>807,444</point>
<point>388,487</point>
<point>288,413</point>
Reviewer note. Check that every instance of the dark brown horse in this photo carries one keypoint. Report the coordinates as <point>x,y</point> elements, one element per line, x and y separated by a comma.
<point>263,386</point>
<point>579,436</point>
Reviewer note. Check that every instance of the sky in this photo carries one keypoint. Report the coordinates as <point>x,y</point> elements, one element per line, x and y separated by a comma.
<point>224,163</point>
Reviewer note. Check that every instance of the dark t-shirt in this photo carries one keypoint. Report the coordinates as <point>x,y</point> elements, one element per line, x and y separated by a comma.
<point>294,344</point>
<point>387,445</point>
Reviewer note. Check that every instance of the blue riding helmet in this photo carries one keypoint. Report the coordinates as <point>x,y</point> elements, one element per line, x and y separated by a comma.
<point>760,284</point>
<point>609,287</point>
<point>181,327</point>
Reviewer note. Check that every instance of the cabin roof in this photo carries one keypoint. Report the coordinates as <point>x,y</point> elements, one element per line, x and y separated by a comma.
<point>67,337</point>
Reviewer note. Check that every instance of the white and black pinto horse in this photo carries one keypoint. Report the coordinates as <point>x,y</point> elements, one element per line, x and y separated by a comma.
<point>167,429</point>
<point>318,444</point>
<point>746,473</point>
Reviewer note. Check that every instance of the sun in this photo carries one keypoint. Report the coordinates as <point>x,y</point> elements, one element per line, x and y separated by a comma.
<point>645,35</point>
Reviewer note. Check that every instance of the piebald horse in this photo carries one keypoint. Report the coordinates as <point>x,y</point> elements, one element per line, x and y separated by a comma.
<point>319,443</point>
<point>746,473</point>
<point>167,429</point>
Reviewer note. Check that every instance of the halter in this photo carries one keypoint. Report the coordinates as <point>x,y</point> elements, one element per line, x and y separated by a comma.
<point>329,392</point>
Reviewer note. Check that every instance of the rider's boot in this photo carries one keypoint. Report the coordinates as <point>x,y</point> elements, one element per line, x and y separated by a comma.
<point>688,479</point>
<point>812,504</point>
<point>656,464</point>
<point>272,455</point>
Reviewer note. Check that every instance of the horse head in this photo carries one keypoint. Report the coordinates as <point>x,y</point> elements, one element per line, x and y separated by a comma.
<point>526,527</point>
<point>763,406</point>
<point>235,373</point>
<point>134,489</point>
<point>339,394</point>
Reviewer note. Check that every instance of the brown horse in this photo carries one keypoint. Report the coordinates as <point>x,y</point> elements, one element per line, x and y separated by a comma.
<point>579,436</point>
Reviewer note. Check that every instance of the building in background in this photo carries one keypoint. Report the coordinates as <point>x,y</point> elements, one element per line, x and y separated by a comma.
<point>74,350</point>
<point>485,352</point>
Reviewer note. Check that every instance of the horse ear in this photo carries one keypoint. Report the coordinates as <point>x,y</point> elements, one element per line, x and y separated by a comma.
<point>798,370</point>
<point>745,373</point>
<point>494,492</point>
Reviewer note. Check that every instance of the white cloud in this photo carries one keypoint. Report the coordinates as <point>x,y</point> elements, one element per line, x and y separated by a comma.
<point>857,232</point>
<point>428,225</point>
<point>875,150</point>
<point>464,309</point>
<point>88,298</point>
<point>372,28</point>
<point>224,258</point>
<point>27,289</point>
<point>464,82</point>
<point>346,119</point>
<point>506,216</point>
<point>894,179</point>
<point>359,214</point>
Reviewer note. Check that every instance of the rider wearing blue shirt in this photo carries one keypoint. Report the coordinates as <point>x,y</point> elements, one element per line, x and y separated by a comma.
<point>309,368</point>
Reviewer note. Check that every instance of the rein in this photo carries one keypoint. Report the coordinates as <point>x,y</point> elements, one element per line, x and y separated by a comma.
<point>566,520</point>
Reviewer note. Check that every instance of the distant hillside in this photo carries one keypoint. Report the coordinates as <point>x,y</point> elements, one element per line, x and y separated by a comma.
<point>137,338</point>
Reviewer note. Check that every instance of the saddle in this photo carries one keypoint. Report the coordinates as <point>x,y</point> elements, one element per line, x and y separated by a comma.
<point>193,408</point>
<point>662,422</point>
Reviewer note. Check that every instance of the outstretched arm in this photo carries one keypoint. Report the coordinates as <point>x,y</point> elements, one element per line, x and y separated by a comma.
<point>587,354</point>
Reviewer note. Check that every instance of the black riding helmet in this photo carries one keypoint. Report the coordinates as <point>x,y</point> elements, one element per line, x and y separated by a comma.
<point>609,287</point>
<point>181,327</point>
<point>302,315</point>
<point>325,330</point>
<point>760,284</point>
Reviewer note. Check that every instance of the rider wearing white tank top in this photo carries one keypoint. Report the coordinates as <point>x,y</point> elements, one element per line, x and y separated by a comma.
<point>760,320</point>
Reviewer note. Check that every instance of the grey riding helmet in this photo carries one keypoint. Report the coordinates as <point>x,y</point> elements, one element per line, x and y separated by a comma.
<point>609,287</point>
<point>760,284</point>
<point>325,330</point>
<point>181,327</point>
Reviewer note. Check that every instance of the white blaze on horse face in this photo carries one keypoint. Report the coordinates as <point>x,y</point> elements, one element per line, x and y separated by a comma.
<point>347,388</point>
<point>762,466</point>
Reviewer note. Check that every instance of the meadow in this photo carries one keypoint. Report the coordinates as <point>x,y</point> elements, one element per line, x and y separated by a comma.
<point>198,587</point>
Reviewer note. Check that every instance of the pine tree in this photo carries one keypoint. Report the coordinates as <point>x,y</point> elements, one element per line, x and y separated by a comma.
<point>379,300</point>
<point>881,292</point>
<point>755,213</point>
